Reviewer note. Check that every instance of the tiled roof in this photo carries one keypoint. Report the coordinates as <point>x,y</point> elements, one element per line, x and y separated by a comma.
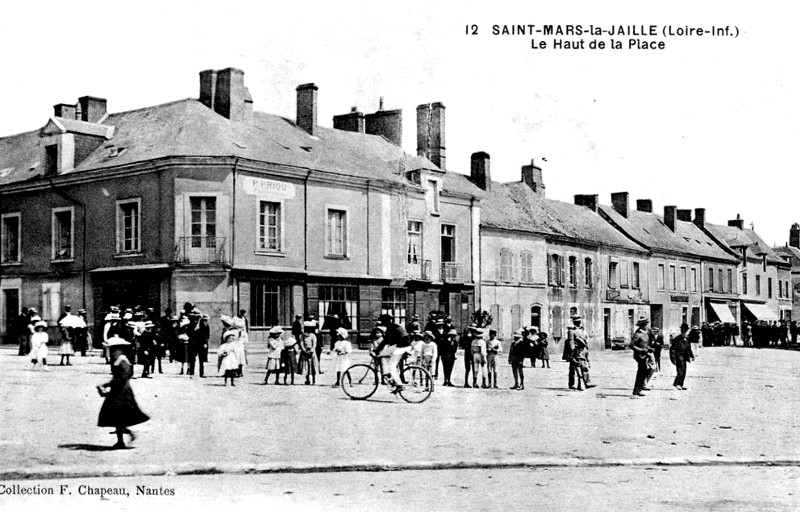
<point>649,229</point>
<point>737,238</point>
<point>792,252</point>
<point>189,128</point>
<point>515,206</point>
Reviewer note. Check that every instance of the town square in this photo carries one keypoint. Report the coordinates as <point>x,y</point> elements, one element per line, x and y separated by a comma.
<point>352,256</point>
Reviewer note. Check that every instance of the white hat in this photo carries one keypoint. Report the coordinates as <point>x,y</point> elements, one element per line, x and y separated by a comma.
<point>342,332</point>
<point>40,323</point>
<point>114,341</point>
<point>276,330</point>
<point>226,320</point>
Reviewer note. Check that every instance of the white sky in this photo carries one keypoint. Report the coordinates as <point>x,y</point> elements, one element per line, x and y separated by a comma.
<point>708,122</point>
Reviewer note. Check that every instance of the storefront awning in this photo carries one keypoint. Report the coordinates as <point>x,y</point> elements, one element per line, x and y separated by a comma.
<point>128,268</point>
<point>723,312</point>
<point>761,311</point>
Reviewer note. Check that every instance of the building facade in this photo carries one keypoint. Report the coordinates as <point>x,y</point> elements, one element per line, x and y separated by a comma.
<point>207,201</point>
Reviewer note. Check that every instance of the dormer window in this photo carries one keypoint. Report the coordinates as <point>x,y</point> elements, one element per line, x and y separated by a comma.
<point>51,160</point>
<point>432,191</point>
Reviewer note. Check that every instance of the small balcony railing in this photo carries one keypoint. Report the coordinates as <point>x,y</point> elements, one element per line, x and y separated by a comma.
<point>200,250</point>
<point>421,270</point>
<point>452,272</point>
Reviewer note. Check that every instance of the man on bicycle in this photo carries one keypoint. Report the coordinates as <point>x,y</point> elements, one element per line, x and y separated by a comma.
<point>392,348</point>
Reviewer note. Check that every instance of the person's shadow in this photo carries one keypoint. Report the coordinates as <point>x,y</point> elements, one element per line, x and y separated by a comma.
<point>91,447</point>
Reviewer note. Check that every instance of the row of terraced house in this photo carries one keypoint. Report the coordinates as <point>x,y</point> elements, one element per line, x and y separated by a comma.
<point>212,202</point>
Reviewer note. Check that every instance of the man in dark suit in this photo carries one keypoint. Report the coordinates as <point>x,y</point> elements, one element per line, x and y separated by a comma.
<point>680,353</point>
<point>641,353</point>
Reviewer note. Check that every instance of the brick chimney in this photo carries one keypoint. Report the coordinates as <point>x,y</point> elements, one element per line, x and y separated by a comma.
<point>480,173</point>
<point>794,235</point>
<point>223,91</point>
<point>65,111</point>
<point>587,200</point>
<point>352,122</point>
<point>700,217</point>
<point>532,176</point>
<point>387,123</point>
<point>92,109</point>
<point>738,222</point>
<point>431,133</point>
<point>685,215</point>
<point>670,217</point>
<point>644,205</point>
<point>208,87</point>
<point>619,200</point>
<point>307,107</point>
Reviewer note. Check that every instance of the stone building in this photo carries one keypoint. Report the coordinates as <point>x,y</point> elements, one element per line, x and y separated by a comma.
<point>681,254</point>
<point>764,276</point>
<point>208,201</point>
<point>791,254</point>
<point>543,261</point>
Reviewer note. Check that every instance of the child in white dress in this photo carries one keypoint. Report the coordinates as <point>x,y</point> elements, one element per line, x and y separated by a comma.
<point>39,341</point>
<point>342,348</point>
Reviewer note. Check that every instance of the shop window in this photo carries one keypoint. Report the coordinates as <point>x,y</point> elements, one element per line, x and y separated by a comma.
<point>268,305</point>
<point>394,303</point>
<point>341,301</point>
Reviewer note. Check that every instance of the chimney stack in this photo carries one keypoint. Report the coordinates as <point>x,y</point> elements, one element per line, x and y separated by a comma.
<point>794,235</point>
<point>685,215</point>
<point>644,205</point>
<point>65,111</point>
<point>700,217</point>
<point>619,200</point>
<point>738,222</point>
<point>92,109</point>
<point>431,133</point>
<point>532,176</point>
<point>208,88</point>
<point>387,123</point>
<point>480,173</point>
<point>352,122</point>
<point>587,200</point>
<point>307,107</point>
<point>670,217</point>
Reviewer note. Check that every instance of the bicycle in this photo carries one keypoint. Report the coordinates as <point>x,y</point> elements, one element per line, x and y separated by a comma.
<point>361,380</point>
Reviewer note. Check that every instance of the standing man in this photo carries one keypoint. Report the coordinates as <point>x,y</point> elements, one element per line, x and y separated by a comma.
<point>466,343</point>
<point>447,352</point>
<point>578,339</point>
<point>680,353</point>
<point>658,344</point>
<point>641,353</point>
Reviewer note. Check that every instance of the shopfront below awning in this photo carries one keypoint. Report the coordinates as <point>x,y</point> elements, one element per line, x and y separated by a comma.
<point>723,312</point>
<point>761,311</point>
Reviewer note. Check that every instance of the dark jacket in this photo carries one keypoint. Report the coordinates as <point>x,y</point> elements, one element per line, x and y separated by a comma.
<point>680,349</point>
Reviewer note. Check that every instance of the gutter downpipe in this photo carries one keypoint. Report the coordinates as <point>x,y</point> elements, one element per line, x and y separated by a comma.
<point>83,238</point>
<point>235,287</point>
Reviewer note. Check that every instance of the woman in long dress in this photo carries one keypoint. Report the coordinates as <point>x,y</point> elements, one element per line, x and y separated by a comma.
<point>119,409</point>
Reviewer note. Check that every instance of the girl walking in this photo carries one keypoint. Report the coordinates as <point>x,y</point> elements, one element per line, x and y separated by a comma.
<point>119,409</point>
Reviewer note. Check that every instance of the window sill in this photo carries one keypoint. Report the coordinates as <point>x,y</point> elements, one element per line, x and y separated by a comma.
<point>11,264</point>
<point>275,254</point>
<point>70,260</point>
<point>128,255</point>
<point>336,257</point>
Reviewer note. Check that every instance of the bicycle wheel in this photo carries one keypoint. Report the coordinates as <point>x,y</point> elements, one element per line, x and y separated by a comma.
<point>418,384</point>
<point>359,381</point>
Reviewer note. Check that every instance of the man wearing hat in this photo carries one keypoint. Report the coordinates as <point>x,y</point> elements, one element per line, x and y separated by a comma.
<point>297,327</point>
<point>578,339</point>
<point>641,353</point>
<point>680,353</point>
<point>469,335</point>
<point>395,344</point>
<point>147,347</point>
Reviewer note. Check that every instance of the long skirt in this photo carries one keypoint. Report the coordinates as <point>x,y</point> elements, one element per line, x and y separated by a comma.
<point>66,348</point>
<point>120,409</point>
